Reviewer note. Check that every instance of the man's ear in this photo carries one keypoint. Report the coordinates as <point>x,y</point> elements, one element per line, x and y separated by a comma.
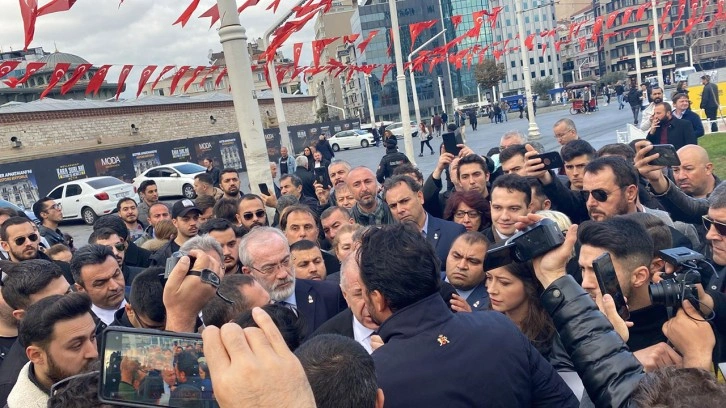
<point>79,288</point>
<point>19,314</point>
<point>5,246</point>
<point>547,204</point>
<point>641,276</point>
<point>380,304</point>
<point>246,270</point>
<point>35,354</point>
<point>129,311</point>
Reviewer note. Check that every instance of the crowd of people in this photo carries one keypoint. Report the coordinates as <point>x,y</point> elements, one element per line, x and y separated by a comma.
<point>371,288</point>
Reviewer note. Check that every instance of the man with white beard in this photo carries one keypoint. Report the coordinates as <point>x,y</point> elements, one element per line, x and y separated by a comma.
<point>265,254</point>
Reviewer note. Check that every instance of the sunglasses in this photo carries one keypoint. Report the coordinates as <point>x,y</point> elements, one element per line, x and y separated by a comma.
<point>21,240</point>
<point>598,194</point>
<point>720,226</point>
<point>259,214</point>
<point>120,246</point>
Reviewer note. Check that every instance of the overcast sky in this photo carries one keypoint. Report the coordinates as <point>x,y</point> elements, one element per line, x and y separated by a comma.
<point>140,32</point>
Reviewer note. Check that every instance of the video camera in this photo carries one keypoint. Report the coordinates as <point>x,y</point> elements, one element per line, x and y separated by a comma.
<point>681,284</point>
<point>525,245</point>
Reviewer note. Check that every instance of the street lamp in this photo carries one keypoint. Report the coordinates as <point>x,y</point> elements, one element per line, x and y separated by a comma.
<point>401,82</point>
<point>533,130</point>
<point>413,79</point>
<point>690,52</point>
<point>338,108</point>
<point>370,99</point>
<point>579,68</point>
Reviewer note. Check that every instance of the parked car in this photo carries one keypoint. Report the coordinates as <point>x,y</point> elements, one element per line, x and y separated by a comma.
<point>89,198</point>
<point>397,129</point>
<point>172,180</point>
<point>350,139</point>
<point>21,211</point>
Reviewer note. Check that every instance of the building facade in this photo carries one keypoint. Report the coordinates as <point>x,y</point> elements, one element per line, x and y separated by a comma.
<point>578,63</point>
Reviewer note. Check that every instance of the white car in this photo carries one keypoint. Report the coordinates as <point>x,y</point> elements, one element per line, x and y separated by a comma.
<point>172,180</point>
<point>397,129</point>
<point>89,198</point>
<point>350,139</point>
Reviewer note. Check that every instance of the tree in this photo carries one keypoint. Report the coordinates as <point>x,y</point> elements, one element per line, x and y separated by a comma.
<point>489,73</point>
<point>542,86</point>
<point>322,114</point>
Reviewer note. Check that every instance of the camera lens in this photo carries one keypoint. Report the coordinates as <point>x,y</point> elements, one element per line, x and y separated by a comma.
<point>665,292</point>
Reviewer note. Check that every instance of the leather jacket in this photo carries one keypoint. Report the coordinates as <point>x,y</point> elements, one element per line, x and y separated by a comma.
<point>609,371</point>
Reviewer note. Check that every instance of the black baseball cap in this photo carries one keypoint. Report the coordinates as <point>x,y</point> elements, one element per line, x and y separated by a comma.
<point>182,207</point>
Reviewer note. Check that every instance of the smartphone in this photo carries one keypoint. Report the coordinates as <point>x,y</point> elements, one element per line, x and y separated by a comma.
<point>668,156</point>
<point>322,177</point>
<point>498,256</point>
<point>165,369</point>
<point>450,143</point>
<point>174,259</point>
<point>551,160</point>
<point>608,282</point>
<point>263,189</point>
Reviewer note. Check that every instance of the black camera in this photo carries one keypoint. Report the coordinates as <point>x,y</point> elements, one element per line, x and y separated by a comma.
<point>680,285</point>
<point>525,245</point>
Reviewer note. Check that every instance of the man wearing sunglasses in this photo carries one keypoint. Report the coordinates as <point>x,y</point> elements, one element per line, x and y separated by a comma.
<point>251,212</point>
<point>51,214</point>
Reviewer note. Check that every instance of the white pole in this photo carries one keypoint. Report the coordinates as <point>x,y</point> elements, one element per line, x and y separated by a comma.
<point>401,82</point>
<point>446,62</point>
<point>533,130</point>
<point>441,93</point>
<point>637,61</point>
<point>370,101</point>
<point>478,95</point>
<point>414,92</point>
<point>656,35</point>
<point>239,70</point>
<point>494,94</point>
<point>338,108</point>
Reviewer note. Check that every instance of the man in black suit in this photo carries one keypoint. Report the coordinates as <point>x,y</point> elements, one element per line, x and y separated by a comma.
<point>405,199</point>
<point>265,254</point>
<point>667,129</point>
<point>108,237</point>
<point>510,198</point>
<point>709,101</point>
<point>465,272</point>
<point>354,322</point>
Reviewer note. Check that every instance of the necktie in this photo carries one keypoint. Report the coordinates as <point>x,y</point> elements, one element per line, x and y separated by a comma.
<point>289,306</point>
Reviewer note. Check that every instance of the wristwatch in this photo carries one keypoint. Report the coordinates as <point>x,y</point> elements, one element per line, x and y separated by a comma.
<point>208,276</point>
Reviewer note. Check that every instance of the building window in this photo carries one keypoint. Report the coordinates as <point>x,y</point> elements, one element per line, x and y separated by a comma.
<point>531,61</point>
<point>514,77</point>
<point>514,64</point>
<point>542,72</point>
<point>533,75</point>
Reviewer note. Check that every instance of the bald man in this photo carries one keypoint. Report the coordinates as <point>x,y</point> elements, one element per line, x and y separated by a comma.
<point>695,174</point>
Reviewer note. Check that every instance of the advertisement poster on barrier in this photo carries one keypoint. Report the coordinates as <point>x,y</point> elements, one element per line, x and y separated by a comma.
<point>115,165</point>
<point>20,188</point>
<point>230,154</point>
<point>70,172</point>
<point>145,160</point>
<point>203,150</point>
<point>273,144</point>
<point>180,154</point>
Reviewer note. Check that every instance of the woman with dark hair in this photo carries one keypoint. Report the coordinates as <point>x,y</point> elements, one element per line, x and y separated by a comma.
<point>308,152</point>
<point>682,87</point>
<point>514,291</point>
<point>469,209</point>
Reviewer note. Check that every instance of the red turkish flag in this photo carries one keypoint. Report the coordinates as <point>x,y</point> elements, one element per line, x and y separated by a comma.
<point>611,19</point>
<point>350,39</point>
<point>296,51</point>
<point>281,71</point>
<point>583,44</point>
<point>626,15</point>
<point>577,29</point>
<point>650,34</point>
<point>415,29</point>
<point>529,42</point>
<point>219,77</point>
<point>125,71</point>
<point>596,28</point>
<point>497,54</point>
<point>478,19</point>
<point>207,74</point>
<point>30,69</point>
<point>456,20</point>
<point>666,13</point>
<point>145,75</point>
<point>55,6</point>
<point>544,48</point>
<point>177,77</point>
<point>641,11</point>
<point>198,70</point>
<point>558,45</point>
<point>681,9</point>
<point>8,67</point>
<point>95,83</point>
<point>493,15</point>
<point>274,5</point>
<point>12,82</point>
<point>390,44</point>
<point>362,46</point>
<point>319,46</point>
<point>77,74</point>
<point>163,71</point>
<point>386,69</point>
<point>58,74</point>
<point>368,68</point>
<point>212,13</point>
<point>187,14</point>
<point>248,3</point>
<point>29,12</point>
<point>296,72</point>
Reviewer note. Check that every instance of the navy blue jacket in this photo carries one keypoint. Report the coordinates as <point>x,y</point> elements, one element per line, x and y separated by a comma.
<point>435,358</point>
<point>441,235</point>
<point>317,302</point>
<point>695,120</point>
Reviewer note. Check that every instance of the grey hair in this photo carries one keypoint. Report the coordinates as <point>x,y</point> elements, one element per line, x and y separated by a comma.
<point>352,258</point>
<point>567,122</point>
<point>258,234</point>
<point>340,163</point>
<point>510,134</point>
<point>717,199</point>
<point>203,243</point>
<point>301,161</point>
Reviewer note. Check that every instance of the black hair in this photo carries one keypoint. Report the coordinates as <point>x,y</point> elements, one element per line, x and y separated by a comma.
<point>656,228</point>
<point>205,178</point>
<point>226,208</point>
<point>9,212</point>
<point>296,208</point>
<point>101,233</point>
<point>204,202</point>
<point>215,224</point>
<point>228,170</point>
<point>10,222</point>
<point>26,279</point>
<point>666,105</point>
<point>91,254</point>
<point>331,210</point>
<point>295,180</point>
<point>250,197</point>
<point>514,183</point>
<point>303,245</point>
<point>625,173</point>
<point>115,223</point>
<point>37,326</point>
<point>396,180</point>
<point>217,312</point>
<point>398,263</point>
<point>624,238</point>
<point>39,207</point>
<point>145,184</point>
<point>147,293</point>
<point>291,325</point>
<point>511,151</point>
<point>576,148</point>
<point>122,201</point>
<point>340,371</point>
<point>187,363</point>
<point>473,158</point>
<point>407,169</point>
<point>679,387</point>
<point>618,149</point>
<point>81,391</point>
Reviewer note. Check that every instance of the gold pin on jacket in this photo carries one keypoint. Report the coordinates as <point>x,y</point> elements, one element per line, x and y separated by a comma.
<point>443,340</point>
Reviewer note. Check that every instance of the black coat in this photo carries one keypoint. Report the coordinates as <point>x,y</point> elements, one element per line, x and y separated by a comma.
<point>435,358</point>
<point>392,159</point>
<point>709,97</point>
<point>341,324</point>
<point>307,178</point>
<point>317,301</point>
<point>441,235</point>
<point>680,133</point>
<point>323,146</point>
<point>137,256</point>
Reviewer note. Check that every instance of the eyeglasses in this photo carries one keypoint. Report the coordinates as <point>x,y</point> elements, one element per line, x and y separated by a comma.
<point>598,194</point>
<point>720,226</point>
<point>470,213</point>
<point>269,269</point>
<point>21,240</point>
<point>62,383</point>
<point>56,206</point>
<point>120,246</point>
<point>259,214</point>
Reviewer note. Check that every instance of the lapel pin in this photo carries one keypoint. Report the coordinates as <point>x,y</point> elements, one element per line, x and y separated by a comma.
<point>436,235</point>
<point>476,304</point>
<point>443,340</point>
<point>310,299</point>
